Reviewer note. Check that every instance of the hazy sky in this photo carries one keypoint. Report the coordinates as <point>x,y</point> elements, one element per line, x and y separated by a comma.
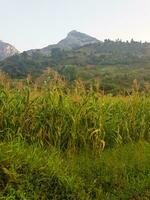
<point>36,23</point>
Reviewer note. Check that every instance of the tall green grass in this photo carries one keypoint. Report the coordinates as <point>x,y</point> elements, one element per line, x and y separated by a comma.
<point>73,119</point>
<point>70,142</point>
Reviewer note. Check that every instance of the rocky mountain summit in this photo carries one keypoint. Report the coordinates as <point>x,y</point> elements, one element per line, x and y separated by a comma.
<point>76,39</point>
<point>7,50</point>
<point>73,40</point>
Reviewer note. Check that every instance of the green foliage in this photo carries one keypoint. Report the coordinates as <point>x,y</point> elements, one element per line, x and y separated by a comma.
<point>111,53</point>
<point>23,64</point>
<point>32,172</point>
<point>57,55</point>
<point>59,142</point>
<point>73,118</point>
<point>69,72</point>
<point>116,79</point>
<point>98,54</point>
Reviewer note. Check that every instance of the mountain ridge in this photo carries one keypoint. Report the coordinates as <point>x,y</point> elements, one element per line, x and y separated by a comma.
<point>74,39</point>
<point>83,51</point>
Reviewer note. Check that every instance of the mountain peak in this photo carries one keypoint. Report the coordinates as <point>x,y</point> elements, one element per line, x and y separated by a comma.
<point>7,50</point>
<point>76,39</point>
<point>73,32</point>
<point>73,40</point>
<point>80,35</point>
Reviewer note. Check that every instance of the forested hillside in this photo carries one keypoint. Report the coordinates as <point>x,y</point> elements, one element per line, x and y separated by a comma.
<point>114,64</point>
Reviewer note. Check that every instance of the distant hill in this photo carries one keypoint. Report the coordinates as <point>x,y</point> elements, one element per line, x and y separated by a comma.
<point>7,50</point>
<point>110,52</point>
<point>82,56</point>
<point>73,40</point>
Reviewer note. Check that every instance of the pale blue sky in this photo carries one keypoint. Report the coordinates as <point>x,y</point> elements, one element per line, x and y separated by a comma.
<point>36,23</point>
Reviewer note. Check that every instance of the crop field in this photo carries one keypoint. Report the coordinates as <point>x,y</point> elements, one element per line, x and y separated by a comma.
<point>59,142</point>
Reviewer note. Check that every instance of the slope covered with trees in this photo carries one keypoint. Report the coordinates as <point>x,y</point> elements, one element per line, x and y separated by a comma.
<point>101,53</point>
<point>115,64</point>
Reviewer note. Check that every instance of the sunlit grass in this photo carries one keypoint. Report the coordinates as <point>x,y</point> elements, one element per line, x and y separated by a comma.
<point>61,141</point>
<point>73,118</point>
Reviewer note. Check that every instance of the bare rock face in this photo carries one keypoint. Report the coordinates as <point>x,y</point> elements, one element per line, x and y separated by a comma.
<point>73,40</point>
<point>76,39</point>
<point>7,50</point>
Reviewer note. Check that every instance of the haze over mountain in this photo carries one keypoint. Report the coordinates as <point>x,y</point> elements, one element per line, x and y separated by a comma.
<point>7,50</point>
<point>73,40</point>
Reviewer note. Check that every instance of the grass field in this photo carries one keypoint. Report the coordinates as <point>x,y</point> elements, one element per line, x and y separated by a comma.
<point>59,142</point>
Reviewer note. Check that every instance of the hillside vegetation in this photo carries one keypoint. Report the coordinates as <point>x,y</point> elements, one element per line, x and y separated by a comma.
<point>62,141</point>
<point>115,64</point>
